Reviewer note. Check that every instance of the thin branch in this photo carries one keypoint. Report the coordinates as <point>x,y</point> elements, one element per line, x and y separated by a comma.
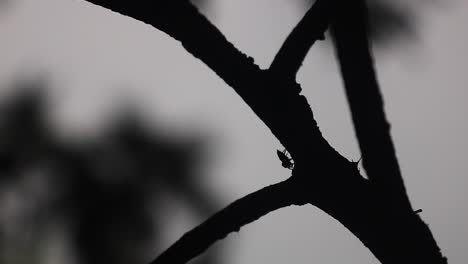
<point>230,219</point>
<point>311,28</point>
<point>365,101</point>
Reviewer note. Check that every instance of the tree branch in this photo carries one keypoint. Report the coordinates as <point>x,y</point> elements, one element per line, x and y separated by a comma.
<point>333,184</point>
<point>409,239</point>
<point>232,218</point>
<point>275,99</point>
<point>311,28</point>
<point>365,101</point>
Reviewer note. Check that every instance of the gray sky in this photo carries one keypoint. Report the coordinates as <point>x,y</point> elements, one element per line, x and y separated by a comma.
<point>97,59</point>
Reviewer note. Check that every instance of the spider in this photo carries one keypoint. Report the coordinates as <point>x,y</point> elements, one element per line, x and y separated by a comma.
<point>286,161</point>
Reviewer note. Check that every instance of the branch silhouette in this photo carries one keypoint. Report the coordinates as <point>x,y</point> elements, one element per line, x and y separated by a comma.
<point>365,100</point>
<point>273,98</point>
<point>311,28</point>
<point>232,218</point>
<point>372,129</point>
<point>322,177</point>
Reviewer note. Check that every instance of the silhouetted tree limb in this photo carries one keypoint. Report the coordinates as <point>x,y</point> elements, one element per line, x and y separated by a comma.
<point>365,100</point>
<point>321,175</point>
<point>275,99</point>
<point>312,27</point>
<point>373,130</point>
<point>232,218</point>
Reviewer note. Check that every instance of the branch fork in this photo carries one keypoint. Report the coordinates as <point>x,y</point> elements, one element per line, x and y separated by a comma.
<point>377,211</point>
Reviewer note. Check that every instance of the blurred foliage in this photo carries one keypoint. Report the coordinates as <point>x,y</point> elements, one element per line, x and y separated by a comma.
<point>105,192</point>
<point>389,20</point>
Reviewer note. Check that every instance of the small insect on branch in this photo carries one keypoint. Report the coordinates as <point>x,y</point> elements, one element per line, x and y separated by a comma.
<point>286,161</point>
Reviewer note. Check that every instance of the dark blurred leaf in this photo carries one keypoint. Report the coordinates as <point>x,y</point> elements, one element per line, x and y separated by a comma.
<point>105,190</point>
<point>389,21</point>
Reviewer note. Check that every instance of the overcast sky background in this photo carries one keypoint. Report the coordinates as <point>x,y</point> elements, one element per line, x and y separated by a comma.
<point>96,60</point>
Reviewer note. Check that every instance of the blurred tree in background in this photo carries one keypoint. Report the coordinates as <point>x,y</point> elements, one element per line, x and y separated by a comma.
<point>103,195</point>
<point>389,20</point>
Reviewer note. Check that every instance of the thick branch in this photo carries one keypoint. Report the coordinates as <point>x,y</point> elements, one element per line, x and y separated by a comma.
<point>404,237</point>
<point>392,238</point>
<point>230,219</point>
<point>275,99</point>
<point>365,101</point>
<point>311,28</point>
